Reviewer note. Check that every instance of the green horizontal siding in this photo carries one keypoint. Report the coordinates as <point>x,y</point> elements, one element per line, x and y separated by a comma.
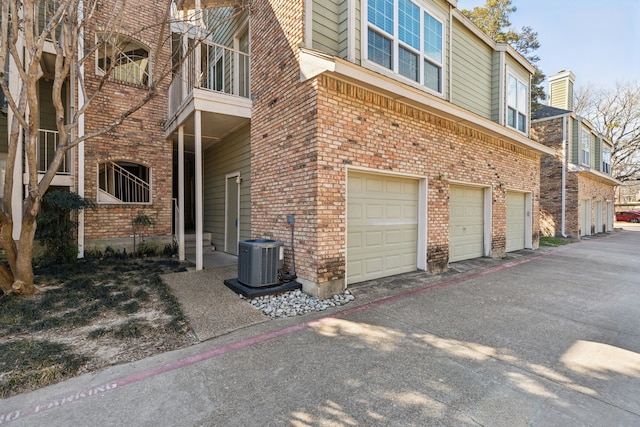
<point>222,24</point>
<point>358,44</point>
<point>326,25</point>
<point>343,29</point>
<point>575,141</point>
<point>233,154</point>
<point>496,72</point>
<point>596,154</point>
<point>472,72</point>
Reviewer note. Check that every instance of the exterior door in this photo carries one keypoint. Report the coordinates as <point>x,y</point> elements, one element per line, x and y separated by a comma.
<point>585,217</point>
<point>516,221</point>
<point>598,217</point>
<point>609,220</point>
<point>382,226</point>
<point>466,223</point>
<point>232,207</point>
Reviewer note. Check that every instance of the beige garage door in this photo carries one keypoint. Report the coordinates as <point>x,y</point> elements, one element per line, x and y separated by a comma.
<point>515,221</point>
<point>466,223</point>
<point>382,226</point>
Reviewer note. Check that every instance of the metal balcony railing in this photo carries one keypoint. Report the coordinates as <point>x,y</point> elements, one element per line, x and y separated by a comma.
<point>122,186</point>
<point>46,10</point>
<point>48,141</point>
<point>212,67</point>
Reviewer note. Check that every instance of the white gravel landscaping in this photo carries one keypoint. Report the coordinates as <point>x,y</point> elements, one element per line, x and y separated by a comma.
<point>296,303</point>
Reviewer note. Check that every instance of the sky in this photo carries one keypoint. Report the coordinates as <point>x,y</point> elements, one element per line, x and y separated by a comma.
<point>598,40</point>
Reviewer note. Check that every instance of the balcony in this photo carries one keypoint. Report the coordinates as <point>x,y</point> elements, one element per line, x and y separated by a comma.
<point>214,79</point>
<point>48,142</point>
<point>46,11</point>
<point>46,146</point>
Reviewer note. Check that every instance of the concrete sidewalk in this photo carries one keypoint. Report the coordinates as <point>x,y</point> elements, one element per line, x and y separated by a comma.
<point>545,339</point>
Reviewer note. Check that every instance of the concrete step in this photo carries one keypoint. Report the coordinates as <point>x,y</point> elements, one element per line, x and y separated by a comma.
<point>190,242</point>
<point>191,237</point>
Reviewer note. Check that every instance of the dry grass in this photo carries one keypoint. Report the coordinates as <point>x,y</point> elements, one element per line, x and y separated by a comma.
<point>87,316</point>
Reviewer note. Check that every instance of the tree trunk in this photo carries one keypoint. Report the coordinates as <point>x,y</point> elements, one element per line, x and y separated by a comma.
<point>23,267</point>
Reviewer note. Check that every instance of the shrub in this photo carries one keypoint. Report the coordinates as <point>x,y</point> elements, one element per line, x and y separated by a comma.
<point>56,228</point>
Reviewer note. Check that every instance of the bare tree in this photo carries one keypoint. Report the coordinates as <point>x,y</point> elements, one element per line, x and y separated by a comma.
<point>32,27</point>
<point>615,113</point>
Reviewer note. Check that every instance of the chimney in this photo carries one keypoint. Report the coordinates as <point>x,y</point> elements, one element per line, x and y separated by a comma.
<point>561,90</point>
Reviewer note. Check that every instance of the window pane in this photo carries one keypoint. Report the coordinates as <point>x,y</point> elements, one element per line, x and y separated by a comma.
<point>433,38</point>
<point>511,92</point>
<point>409,23</point>
<point>408,64</point>
<point>511,117</point>
<point>380,14</point>
<point>586,143</point>
<point>379,49</point>
<point>522,122</point>
<point>522,97</point>
<point>432,76</point>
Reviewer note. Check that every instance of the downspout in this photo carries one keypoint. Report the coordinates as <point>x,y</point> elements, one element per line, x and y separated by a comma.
<point>564,175</point>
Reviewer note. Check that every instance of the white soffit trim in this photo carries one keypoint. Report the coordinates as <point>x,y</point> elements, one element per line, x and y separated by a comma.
<point>314,63</point>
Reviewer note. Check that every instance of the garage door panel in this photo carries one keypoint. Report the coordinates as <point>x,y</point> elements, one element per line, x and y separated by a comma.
<point>386,238</point>
<point>466,223</point>
<point>355,267</point>
<point>374,265</point>
<point>393,237</point>
<point>354,212</point>
<point>374,211</point>
<point>393,262</point>
<point>355,239</point>
<point>373,239</point>
<point>374,184</point>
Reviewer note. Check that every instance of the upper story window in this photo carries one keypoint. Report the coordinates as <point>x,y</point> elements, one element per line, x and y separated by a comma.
<point>405,38</point>
<point>606,160</point>
<point>585,147</point>
<point>517,103</point>
<point>124,59</point>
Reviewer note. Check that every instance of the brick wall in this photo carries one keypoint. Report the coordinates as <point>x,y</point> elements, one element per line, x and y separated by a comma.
<point>597,190</point>
<point>578,186</point>
<point>139,138</point>
<point>283,135</point>
<point>362,129</point>
<point>549,132</point>
<point>305,134</point>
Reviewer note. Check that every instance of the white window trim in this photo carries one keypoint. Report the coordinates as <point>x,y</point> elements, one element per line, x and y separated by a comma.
<point>527,113</point>
<point>238,181</point>
<point>244,28</point>
<point>605,149</point>
<point>394,73</point>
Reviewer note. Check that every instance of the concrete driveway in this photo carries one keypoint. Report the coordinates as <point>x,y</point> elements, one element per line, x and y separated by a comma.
<point>550,338</point>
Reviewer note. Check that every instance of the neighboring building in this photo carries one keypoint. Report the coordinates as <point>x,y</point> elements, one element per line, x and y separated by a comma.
<point>576,186</point>
<point>628,194</point>
<point>128,171</point>
<point>395,131</point>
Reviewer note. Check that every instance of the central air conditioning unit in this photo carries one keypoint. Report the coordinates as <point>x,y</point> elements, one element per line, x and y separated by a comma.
<point>259,261</point>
